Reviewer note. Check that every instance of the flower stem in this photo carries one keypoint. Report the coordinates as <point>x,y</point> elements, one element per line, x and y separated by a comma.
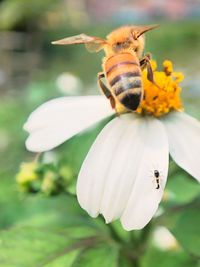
<point>138,245</point>
<point>115,234</point>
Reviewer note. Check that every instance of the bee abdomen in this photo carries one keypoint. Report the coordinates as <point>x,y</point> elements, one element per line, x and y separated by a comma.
<point>128,89</point>
<point>131,99</point>
<point>126,81</point>
<point>124,77</point>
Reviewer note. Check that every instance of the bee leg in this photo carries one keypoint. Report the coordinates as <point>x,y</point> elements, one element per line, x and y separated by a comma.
<point>144,60</point>
<point>105,89</point>
<point>145,63</point>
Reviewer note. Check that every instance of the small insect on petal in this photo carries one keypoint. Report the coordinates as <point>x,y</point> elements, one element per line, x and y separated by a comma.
<point>148,190</point>
<point>115,179</point>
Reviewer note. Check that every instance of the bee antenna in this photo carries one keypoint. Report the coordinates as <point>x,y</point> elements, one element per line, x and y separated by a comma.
<point>134,35</point>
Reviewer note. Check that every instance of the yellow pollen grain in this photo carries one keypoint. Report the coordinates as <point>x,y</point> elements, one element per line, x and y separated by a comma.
<point>163,96</point>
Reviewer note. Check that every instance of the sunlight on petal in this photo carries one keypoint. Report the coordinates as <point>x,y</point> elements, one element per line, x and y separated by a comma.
<point>184,141</point>
<point>58,120</point>
<point>145,196</point>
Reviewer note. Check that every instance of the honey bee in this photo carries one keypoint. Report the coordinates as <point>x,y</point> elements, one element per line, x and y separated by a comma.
<point>123,64</point>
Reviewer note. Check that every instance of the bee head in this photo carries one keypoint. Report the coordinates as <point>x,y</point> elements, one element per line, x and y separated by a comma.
<point>128,38</point>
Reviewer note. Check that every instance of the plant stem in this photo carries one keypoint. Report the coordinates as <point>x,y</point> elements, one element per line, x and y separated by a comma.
<point>114,234</point>
<point>138,245</point>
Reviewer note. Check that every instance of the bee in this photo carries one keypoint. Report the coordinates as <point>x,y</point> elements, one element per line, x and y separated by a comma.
<point>157,178</point>
<point>122,65</point>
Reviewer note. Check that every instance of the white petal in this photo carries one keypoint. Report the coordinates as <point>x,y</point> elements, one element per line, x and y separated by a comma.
<point>58,120</point>
<point>184,141</point>
<point>108,174</point>
<point>145,195</point>
<point>100,183</point>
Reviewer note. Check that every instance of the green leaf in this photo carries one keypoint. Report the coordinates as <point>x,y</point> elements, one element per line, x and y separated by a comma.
<point>102,255</point>
<point>28,247</point>
<point>25,247</point>
<point>177,185</point>
<point>65,260</point>
<point>157,258</point>
<point>184,223</point>
<point>57,212</point>
<point>187,230</point>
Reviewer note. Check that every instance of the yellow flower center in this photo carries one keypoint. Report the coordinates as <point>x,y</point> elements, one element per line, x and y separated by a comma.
<point>160,97</point>
<point>163,95</point>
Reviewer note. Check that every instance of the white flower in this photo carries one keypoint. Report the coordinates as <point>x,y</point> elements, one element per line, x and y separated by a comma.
<point>164,240</point>
<point>69,84</point>
<point>117,178</point>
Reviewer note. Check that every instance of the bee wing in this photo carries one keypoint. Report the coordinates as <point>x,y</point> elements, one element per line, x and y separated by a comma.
<point>95,46</point>
<point>139,30</point>
<point>92,43</point>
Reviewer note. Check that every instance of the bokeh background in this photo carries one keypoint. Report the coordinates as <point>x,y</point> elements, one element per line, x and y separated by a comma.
<point>33,71</point>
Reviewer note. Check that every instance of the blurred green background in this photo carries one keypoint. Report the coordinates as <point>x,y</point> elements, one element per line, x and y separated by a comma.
<point>39,227</point>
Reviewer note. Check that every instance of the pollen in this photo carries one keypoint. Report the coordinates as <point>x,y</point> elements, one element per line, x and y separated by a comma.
<point>162,95</point>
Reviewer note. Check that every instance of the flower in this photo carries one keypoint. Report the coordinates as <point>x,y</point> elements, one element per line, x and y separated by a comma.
<point>27,173</point>
<point>69,84</point>
<point>125,172</point>
<point>164,240</point>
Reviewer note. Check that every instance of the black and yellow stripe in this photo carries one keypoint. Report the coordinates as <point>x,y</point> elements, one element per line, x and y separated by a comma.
<point>123,74</point>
